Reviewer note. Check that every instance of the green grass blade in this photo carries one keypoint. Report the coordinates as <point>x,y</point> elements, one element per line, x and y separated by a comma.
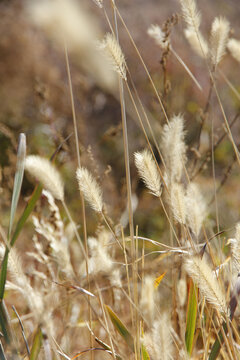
<point>29,208</point>
<point>106,347</point>
<point>21,154</point>
<point>121,328</point>
<point>37,343</point>
<point>191,316</point>
<point>145,355</point>
<point>218,343</point>
<point>4,323</point>
<point>2,354</point>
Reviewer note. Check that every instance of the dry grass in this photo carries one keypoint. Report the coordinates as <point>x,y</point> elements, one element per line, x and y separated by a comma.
<point>93,281</point>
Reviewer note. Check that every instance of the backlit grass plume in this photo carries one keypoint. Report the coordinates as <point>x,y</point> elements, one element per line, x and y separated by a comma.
<point>203,276</point>
<point>218,39</point>
<point>155,32</point>
<point>235,247</point>
<point>174,148</point>
<point>45,172</point>
<point>197,42</point>
<point>148,171</point>
<point>233,46</point>
<point>90,189</point>
<point>191,14</point>
<point>195,208</point>
<point>114,53</point>
<point>177,202</point>
<point>159,341</point>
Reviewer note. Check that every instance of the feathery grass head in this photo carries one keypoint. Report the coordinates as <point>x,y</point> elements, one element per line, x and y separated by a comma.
<point>195,208</point>
<point>148,171</point>
<point>158,342</point>
<point>90,189</point>
<point>204,277</point>
<point>99,3</point>
<point>45,172</point>
<point>177,202</point>
<point>148,298</point>
<point>218,39</point>
<point>197,42</point>
<point>233,46</point>
<point>155,32</point>
<point>191,14</point>
<point>174,148</point>
<point>114,54</point>
<point>235,247</point>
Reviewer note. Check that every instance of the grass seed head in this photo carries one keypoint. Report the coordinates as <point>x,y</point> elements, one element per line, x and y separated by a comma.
<point>45,172</point>
<point>148,171</point>
<point>233,46</point>
<point>115,55</point>
<point>90,189</point>
<point>202,275</point>
<point>218,39</point>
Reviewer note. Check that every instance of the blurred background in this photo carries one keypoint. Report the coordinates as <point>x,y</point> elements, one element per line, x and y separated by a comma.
<point>35,99</point>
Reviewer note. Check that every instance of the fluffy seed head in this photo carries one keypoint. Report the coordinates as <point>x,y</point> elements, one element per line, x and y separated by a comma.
<point>177,202</point>
<point>148,171</point>
<point>218,39</point>
<point>99,3</point>
<point>90,189</point>
<point>233,46</point>
<point>197,42</point>
<point>155,32</point>
<point>235,247</point>
<point>159,342</point>
<point>114,54</point>
<point>195,208</point>
<point>148,298</point>
<point>45,172</point>
<point>191,14</point>
<point>174,148</point>
<point>203,276</point>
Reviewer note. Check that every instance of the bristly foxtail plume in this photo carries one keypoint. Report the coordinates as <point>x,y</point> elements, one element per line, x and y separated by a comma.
<point>197,42</point>
<point>174,148</point>
<point>177,202</point>
<point>99,3</point>
<point>218,39</point>
<point>158,342</point>
<point>235,247</point>
<point>191,14</point>
<point>148,171</point>
<point>155,32</point>
<point>195,208</point>
<point>203,276</point>
<point>45,172</point>
<point>114,54</point>
<point>233,46</point>
<point>148,299</point>
<point>90,189</point>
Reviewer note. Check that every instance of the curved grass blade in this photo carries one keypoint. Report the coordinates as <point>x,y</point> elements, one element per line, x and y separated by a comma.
<point>158,280</point>
<point>29,208</point>
<point>21,155</point>
<point>4,323</point>
<point>218,343</point>
<point>106,347</point>
<point>121,328</point>
<point>37,342</point>
<point>145,355</point>
<point>191,316</point>
<point>123,331</point>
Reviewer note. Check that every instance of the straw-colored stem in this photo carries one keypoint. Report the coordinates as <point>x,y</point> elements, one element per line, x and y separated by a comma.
<point>81,194</point>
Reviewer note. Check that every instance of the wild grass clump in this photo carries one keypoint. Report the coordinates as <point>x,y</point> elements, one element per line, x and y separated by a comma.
<point>134,285</point>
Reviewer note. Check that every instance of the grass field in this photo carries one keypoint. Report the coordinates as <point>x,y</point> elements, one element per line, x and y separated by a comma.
<point>119,180</point>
